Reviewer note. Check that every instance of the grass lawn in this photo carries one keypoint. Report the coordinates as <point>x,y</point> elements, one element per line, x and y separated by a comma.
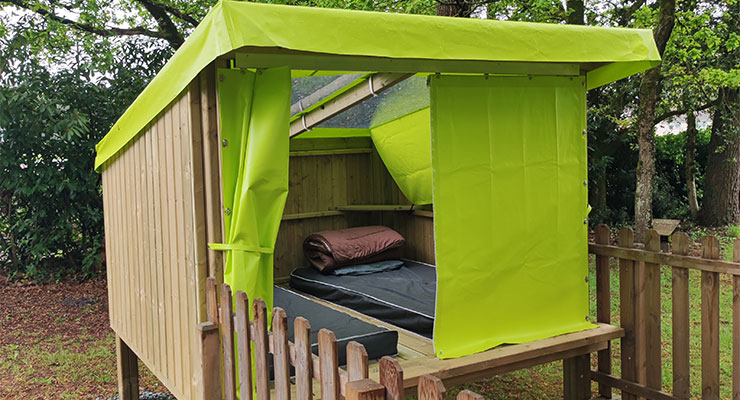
<point>55,343</point>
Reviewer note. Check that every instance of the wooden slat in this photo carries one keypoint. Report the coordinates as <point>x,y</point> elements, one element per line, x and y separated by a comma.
<point>303,359</point>
<point>736,325</point>
<point>376,207</point>
<point>680,318</point>
<point>603,304</point>
<point>243,345</point>
<point>674,260</point>
<point>468,395</point>
<point>149,238</point>
<point>357,362</point>
<point>431,388</point>
<point>365,389</point>
<point>577,377</point>
<point>381,82</point>
<point>650,294</point>
<point>634,389</point>
<point>210,361</point>
<point>212,299</point>
<point>316,153</point>
<point>627,304</point>
<point>162,278</point>
<point>314,214</point>
<point>391,377</point>
<point>281,353</point>
<point>227,343</point>
<point>329,364</point>
<point>164,126</point>
<point>261,349</point>
<point>710,323</point>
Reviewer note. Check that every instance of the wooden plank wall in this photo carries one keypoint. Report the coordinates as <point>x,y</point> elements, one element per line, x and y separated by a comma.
<point>326,173</point>
<point>155,244</point>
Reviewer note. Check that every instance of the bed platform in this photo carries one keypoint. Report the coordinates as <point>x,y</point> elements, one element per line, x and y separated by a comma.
<point>403,297</point>
<point>378,341</point>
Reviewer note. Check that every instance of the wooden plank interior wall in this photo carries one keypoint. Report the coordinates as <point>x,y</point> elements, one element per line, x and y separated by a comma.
<point>155,241</point>
<point>326,173</point>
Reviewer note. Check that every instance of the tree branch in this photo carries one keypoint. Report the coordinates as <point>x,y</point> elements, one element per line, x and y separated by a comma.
<point>674,113</point>
<point>166,26</point>
<point>100,31</point>
<point>177,13</point>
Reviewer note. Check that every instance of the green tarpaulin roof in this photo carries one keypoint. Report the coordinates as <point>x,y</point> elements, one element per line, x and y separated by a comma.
<point>606,54</point>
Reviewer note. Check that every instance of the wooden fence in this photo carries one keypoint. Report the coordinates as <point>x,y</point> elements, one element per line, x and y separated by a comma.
<point>226,358</point>
<point>640,314</point>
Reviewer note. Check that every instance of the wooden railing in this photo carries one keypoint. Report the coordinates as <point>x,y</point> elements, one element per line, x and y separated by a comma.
<point>226,358</point>
<point>640,314</point>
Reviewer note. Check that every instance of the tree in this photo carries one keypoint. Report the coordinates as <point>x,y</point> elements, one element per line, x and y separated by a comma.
<point>649,92</point>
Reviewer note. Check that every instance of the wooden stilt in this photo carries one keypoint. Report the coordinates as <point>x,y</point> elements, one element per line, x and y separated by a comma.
<point>577,378</point>
<point>128,371</point>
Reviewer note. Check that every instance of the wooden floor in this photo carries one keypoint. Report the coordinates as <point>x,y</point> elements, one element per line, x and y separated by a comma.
<point>416,352</point>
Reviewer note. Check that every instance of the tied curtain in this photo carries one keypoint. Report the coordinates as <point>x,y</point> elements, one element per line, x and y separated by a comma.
<point>254,108</point>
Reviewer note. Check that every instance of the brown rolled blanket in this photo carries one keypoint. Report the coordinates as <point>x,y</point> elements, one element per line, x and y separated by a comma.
<point>329,250</point>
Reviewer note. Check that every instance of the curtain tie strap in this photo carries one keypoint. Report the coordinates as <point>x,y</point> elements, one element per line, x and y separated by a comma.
<point>240,247</point>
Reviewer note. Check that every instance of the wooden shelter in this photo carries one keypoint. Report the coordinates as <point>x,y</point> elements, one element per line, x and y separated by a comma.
<point>166,161</point>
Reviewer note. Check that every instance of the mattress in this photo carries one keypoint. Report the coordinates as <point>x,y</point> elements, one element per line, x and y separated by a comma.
<point>378,341</point>
<point>404,297</point>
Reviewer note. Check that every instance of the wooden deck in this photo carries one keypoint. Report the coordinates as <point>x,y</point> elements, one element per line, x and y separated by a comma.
<point>416,352</point>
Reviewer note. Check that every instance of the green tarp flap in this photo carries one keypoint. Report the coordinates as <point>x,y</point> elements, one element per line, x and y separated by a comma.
<point>233,25</point>
<point>254,122</point>
<point>510,200</point>
<point>403,144</point>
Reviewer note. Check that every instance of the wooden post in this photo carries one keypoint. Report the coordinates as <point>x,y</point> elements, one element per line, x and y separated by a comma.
<point>303,359</point>
<point>627,311</point>
<point>243,346</point>
<point>261,349</point>
<point>736,325</point>
<point>128,371</point>
<point>281,353</point>
<point>431,388</point>
<point>227,341</point>
<point>577,378</point>
<point>710,323</point>
<point>468,395</point>
<point>603,306</point>
<point>365,389</point>
<point>210,361</point>
<point>680,301</point>
<point>357,362</point>
<point>650,315</point>
<point>391,377</point>
<point>328,364</point>
<point>212,299</point>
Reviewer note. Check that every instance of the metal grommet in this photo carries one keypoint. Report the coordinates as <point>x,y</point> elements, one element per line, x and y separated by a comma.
<point>585,222</point>
<point>586,278</point>
<point>585,182</point>
<point>225,143</point>
<point>221,77</point>
<point>227,211</point>
<point>584,132</point>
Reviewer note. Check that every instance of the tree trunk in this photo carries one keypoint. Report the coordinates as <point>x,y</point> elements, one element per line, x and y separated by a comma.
<point>452,8</point>
<point>690,164</point>
<point>575,12</point>
<point>649,91</point>
<point>722,178</point>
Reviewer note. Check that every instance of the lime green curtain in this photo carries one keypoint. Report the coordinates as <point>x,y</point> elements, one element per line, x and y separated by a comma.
<point>509,173</point>
<point>403,144</point>
<point>254,109</point>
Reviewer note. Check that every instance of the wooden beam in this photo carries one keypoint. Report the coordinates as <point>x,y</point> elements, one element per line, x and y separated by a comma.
<point>690,262</point>
<point>359,93</point>
<point>261,57</point>
<point>128,371</point>
<point>339,152</point>
<point>377,207</point>
<point>631,387</point>
<point>315,214</point>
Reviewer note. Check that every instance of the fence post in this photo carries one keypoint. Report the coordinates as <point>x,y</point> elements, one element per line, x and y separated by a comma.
<point>680,317</point>
<point>431,388</point>
<point>603,306</point>
<point>627,302</point>
<point>357,362</point>
<point>281,353</point>
<point>365,389</point>
<point>261,349</point>
<point>391,377</point>
<point>468,395</point>
<point>210,361</point>
<point>303,359</point>
<point>329,364</point>
<point>650,315</point>
<point>243,346</point>
<point>710,323</point>
<point>227,341</point>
